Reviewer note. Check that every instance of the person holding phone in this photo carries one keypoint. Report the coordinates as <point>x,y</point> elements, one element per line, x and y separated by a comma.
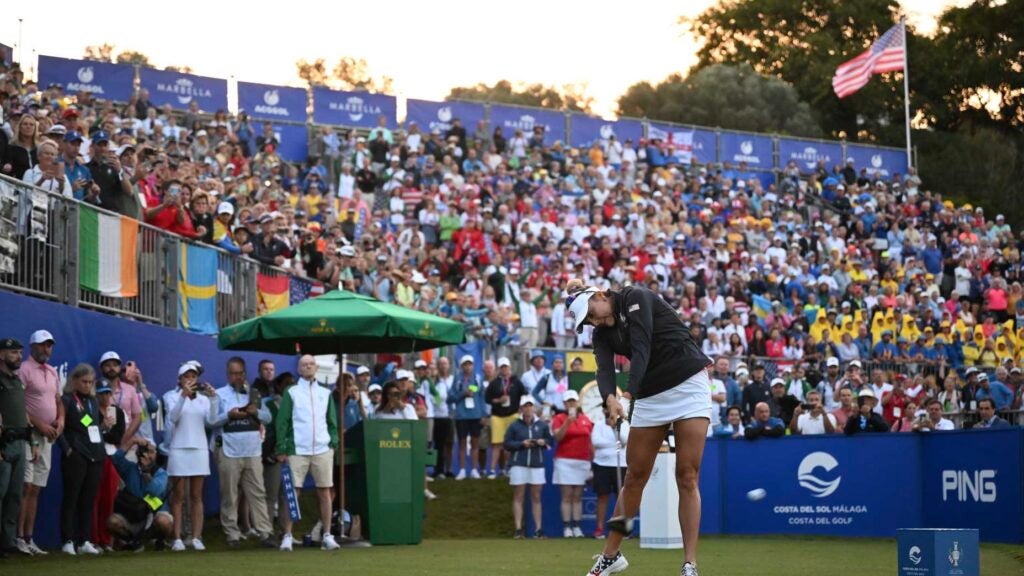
<point>668,388</point>
<point>810,417</point>
<point>49,173</point>
<point>572,430</point>
<point>526,440</point>
<point>190,411</point>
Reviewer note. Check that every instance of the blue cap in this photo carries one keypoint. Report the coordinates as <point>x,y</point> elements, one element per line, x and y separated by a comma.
<point>103,389</point>
<point>100,136</point>
<point>536,354</point>
<point>73,136</point>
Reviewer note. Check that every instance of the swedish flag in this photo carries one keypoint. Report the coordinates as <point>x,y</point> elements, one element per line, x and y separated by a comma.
<point>197,289</point>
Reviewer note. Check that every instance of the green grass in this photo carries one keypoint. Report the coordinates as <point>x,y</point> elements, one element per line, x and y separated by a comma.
<point>720,556</point>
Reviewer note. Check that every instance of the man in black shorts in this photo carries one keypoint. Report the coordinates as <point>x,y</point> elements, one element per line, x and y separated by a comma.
<point>609,462</point>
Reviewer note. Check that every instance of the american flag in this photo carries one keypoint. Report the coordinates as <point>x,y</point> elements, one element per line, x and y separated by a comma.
<point>885,55</point>
<point>300,290</point>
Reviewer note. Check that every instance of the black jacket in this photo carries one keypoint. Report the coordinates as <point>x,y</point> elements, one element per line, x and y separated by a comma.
<point>496,390</point>
<point>81,413</point>
<point>873,424</point>
<point>753,393</point>
<point>648,331</point>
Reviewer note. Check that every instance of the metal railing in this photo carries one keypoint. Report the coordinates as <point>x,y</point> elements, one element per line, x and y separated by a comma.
<point>40,243</point>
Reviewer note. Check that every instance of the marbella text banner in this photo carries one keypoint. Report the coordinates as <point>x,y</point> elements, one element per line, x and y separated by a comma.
<point>512,118</point>
<point>807,154</point>
<point>181,90</point>
<point>585,130</point>
<point>356,109</point>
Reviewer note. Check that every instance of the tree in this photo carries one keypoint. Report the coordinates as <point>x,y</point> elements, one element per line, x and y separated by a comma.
<point>733,97</point>
<point>348,74</point>
<point>102,53</point>
<point>802,42</point>
<point>182,69</point>
<point>571,97</point>
<point>133,57</point>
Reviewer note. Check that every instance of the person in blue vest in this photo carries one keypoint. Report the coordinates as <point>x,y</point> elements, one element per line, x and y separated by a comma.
<point>526,440</point>
<point>140,511</point>
<point>885,350</point>
<point>467,399</point>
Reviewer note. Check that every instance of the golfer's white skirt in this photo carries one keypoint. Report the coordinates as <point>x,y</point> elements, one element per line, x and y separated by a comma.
<point>521,475</point>
<point>691,399</point>
<point>570,472</point>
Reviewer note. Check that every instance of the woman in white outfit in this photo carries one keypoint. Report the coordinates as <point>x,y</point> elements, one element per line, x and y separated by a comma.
<point>190,411</point>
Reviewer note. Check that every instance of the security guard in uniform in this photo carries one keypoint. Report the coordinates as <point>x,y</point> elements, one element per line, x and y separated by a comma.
<point>14,436</point>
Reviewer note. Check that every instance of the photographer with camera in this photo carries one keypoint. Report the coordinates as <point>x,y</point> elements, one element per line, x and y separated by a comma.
<point>140,509</point>
<point>115,189</point>
<point>810,417</point>
<point>190,409</point>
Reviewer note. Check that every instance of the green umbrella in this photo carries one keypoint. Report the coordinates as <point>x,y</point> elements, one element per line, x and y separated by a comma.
<point>342,322</point>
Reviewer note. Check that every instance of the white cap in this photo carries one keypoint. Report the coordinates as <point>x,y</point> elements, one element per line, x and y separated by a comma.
<point>40,336</point>
<point>982,376</point>
<point>855,364</point>
<point>466,358</point>
<point>742,372</point>
<point>403,375</point>
<point>579,308</point>
<point>778,381</point>
<point>418,278</point>
<point>866,393</point>
<point>187,367</point>
<point>570,395</point>
<point>527,399</point>
<point>225,208</point>
<point>374,388</point>
<point>832,361</point>
<point>347,251</point>
<point>503,361</point>
<point>109,355</point>
<point>362,370</point>
<point>420,364</point>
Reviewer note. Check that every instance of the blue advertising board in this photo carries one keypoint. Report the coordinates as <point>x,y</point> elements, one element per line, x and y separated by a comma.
<point>267,102</point>
<point>82,336</point>
<point>807,153</point>
<point>512,118</point>
<point>973,484</point>
<point>6,54</point>
<point>101,79</point>
<point>430,116</point>
<point>181,90</point>
<point>885,162</point>
<point>704,142</point>
<point>358,109</point>
<point>754,149</point>
<point>938,552</point>
<point>585,130</point>
<point>293,140</point>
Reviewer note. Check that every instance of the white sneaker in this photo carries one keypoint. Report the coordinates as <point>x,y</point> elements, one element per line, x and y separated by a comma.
<point>567,532</point>
<point>252,533</point>
<point>429,495</point>
<point>178,546</point>
<point>430,479</point>
<point>461,475</point>
<point>198,544</point>
<point>68,548</point>
<point>286,543</point>
<point>329,543</point>
<point>474,475</point>
<point>605,566</point>
<point>24,548</point>
<point>688,570</point>
<point>576,532</point>
<point>88,548</point>
<point>492,476</point>
<point>316,534</point>
<point>35,550</point>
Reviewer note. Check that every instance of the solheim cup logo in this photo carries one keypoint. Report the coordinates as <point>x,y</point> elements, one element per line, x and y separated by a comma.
<point>444,114</point>
<point>607,131</point>
<point>954,555</point>
<point>816,486</point>
<point>85,74</point>
<point>876,161</point>
<point>271,97</point>
<point>747,147</point>
<point>354,105</point>
<point>914,555</point>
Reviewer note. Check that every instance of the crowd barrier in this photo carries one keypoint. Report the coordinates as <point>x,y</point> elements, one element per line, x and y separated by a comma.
<point>287,106</point>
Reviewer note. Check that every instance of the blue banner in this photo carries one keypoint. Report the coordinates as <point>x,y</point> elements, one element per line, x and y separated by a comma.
<point>807,154</point>
<point>430,116</point>
<point>83,336</point>
<point>881,161</point>
<point>975,484</point>
<point>7,54</point>
<point>294,142</point>
<point>101,79</point>
<point>512,118</point>
<point>358,109</point>
<point>267,102</point>
<point>180,90</point>
<point>753,149</point>
<point>584,130</point>
<point>705,142</point>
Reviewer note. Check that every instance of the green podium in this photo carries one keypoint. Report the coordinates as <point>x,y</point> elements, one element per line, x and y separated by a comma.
<point>387,463</point>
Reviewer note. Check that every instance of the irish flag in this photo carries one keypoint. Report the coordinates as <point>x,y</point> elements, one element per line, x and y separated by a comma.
<point>107,261</point>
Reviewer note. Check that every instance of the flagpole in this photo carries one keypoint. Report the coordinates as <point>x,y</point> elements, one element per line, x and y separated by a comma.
<point>906,88</point>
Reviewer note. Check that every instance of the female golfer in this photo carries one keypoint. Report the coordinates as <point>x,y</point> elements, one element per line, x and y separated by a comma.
<point>668,386</point>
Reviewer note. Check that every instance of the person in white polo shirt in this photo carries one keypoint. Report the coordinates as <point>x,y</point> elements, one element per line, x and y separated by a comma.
<point>814,420</point>
<point>307,434</point>
<point>238,450</point>
<point>526,440</point>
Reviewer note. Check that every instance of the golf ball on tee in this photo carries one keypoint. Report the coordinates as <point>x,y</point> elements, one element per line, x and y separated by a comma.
<point>756,494</point>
